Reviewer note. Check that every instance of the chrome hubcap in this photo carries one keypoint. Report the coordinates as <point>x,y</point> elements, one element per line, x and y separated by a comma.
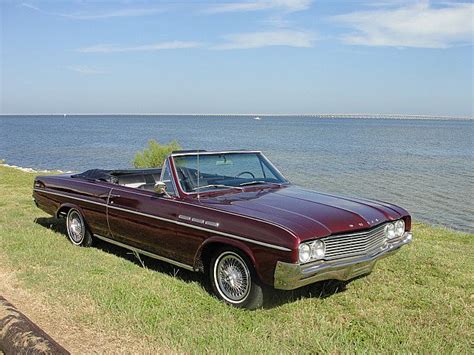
<point>75,227</point>
<point>233,277</point>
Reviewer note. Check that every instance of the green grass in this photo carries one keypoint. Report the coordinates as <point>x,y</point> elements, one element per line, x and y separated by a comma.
<point>419,300</point>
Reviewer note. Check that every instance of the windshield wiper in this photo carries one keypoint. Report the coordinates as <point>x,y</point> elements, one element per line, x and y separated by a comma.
<point>257,182</point>
<point>216,186</point>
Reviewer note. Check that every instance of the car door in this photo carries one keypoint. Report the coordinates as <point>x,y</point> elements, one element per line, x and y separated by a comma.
<point>142,219</point>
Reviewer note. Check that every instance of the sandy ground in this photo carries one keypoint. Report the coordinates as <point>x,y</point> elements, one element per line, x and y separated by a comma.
<point>58,323</point>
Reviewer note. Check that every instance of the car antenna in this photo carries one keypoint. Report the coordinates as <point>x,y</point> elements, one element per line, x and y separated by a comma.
<point>198,174</point>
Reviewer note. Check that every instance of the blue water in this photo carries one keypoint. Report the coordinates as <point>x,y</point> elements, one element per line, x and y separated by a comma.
<point>426,166</point>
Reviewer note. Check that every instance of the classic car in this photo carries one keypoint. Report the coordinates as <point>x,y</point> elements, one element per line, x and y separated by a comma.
<point>231,215</point>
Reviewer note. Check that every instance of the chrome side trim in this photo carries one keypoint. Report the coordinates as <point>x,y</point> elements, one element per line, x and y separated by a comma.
<point>73,197</point>
<point>272,246</point>
<point>144,252</point>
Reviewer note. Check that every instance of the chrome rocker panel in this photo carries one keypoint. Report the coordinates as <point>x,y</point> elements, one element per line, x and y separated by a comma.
<point>289,276</point>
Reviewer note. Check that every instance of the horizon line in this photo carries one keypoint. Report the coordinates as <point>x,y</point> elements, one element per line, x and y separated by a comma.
<point>317,115</point>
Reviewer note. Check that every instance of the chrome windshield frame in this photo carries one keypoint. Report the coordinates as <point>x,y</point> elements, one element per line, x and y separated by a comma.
<point>166,165</point>
<point>195,153</point>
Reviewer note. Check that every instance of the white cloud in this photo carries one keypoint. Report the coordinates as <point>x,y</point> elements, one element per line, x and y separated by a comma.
<point>109,48</point>
<point>29,6</point>
<point>268,38</point>
<point>114,13</point>
<point>84,69</point>
<point>125,12</point>
<point>258,5</point>
<point>419,25</point>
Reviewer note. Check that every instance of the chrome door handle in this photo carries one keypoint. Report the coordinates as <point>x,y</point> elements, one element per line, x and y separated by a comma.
<point>108,196</point>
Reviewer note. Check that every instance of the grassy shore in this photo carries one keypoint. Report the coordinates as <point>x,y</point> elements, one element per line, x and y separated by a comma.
<point>100,299</point>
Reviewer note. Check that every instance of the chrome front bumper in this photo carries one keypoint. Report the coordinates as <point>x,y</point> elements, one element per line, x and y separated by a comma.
<point>290,276</point>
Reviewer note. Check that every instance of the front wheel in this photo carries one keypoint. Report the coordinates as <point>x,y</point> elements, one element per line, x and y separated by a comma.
<point>234,281</point>
<point>77,230</point>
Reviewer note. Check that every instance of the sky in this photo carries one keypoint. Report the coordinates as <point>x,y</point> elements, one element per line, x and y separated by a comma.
<point>256,56</point>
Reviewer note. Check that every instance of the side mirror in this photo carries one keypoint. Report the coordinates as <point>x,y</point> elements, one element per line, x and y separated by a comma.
<point>160,188</point>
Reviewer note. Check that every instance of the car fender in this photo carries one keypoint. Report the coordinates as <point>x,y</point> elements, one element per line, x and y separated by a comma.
<point>67,206</point>
<point>230,242</point>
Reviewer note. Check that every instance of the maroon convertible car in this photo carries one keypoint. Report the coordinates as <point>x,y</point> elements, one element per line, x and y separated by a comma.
<point>230,214</point>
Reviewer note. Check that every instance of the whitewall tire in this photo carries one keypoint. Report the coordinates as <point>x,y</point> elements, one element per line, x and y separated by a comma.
<point>233,279</point>
<point>77,231</point>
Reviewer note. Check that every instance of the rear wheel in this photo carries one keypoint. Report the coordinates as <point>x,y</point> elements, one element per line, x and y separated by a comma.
<point>233,279</point>
<point>76,229</point>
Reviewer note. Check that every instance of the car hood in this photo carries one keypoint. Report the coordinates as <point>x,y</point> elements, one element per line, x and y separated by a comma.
<point>307,213</point>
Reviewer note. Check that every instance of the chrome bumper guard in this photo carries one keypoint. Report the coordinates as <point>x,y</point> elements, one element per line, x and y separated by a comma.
<point>290,276</point>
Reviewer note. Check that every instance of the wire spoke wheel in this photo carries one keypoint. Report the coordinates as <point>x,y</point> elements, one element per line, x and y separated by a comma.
<point>232,277</point>
<point>76,229</point>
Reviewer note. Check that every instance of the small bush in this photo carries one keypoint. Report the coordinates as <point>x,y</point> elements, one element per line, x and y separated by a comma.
<point>154,155</point>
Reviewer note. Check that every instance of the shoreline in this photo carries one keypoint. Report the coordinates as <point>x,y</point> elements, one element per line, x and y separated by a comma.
<point>31,170</point>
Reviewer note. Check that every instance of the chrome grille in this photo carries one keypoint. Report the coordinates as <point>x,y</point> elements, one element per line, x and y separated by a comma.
<point>355,244</point>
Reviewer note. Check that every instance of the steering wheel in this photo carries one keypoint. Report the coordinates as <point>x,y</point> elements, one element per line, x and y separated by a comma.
<point>245,172</point>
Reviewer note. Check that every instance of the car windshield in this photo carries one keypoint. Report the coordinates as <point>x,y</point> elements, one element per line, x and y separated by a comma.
<point>214,171</point>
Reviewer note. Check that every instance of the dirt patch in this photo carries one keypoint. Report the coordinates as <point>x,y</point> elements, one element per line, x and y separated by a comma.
<point>19,334</point>
<point>57,321</point>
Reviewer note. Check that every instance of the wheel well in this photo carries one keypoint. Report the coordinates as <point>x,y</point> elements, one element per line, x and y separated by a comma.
<point>63,211</point>
<point>209,249</point>
<point>206,254</point>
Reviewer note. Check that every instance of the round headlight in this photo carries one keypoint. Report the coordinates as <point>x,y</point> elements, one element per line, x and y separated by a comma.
<point>399,227</point>
<point>390,231</point>
<point>318,249</point>
<point>304,253</point>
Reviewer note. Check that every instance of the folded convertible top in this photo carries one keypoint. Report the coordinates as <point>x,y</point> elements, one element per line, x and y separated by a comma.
<point>95,174</point>
<point>112,175</point>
